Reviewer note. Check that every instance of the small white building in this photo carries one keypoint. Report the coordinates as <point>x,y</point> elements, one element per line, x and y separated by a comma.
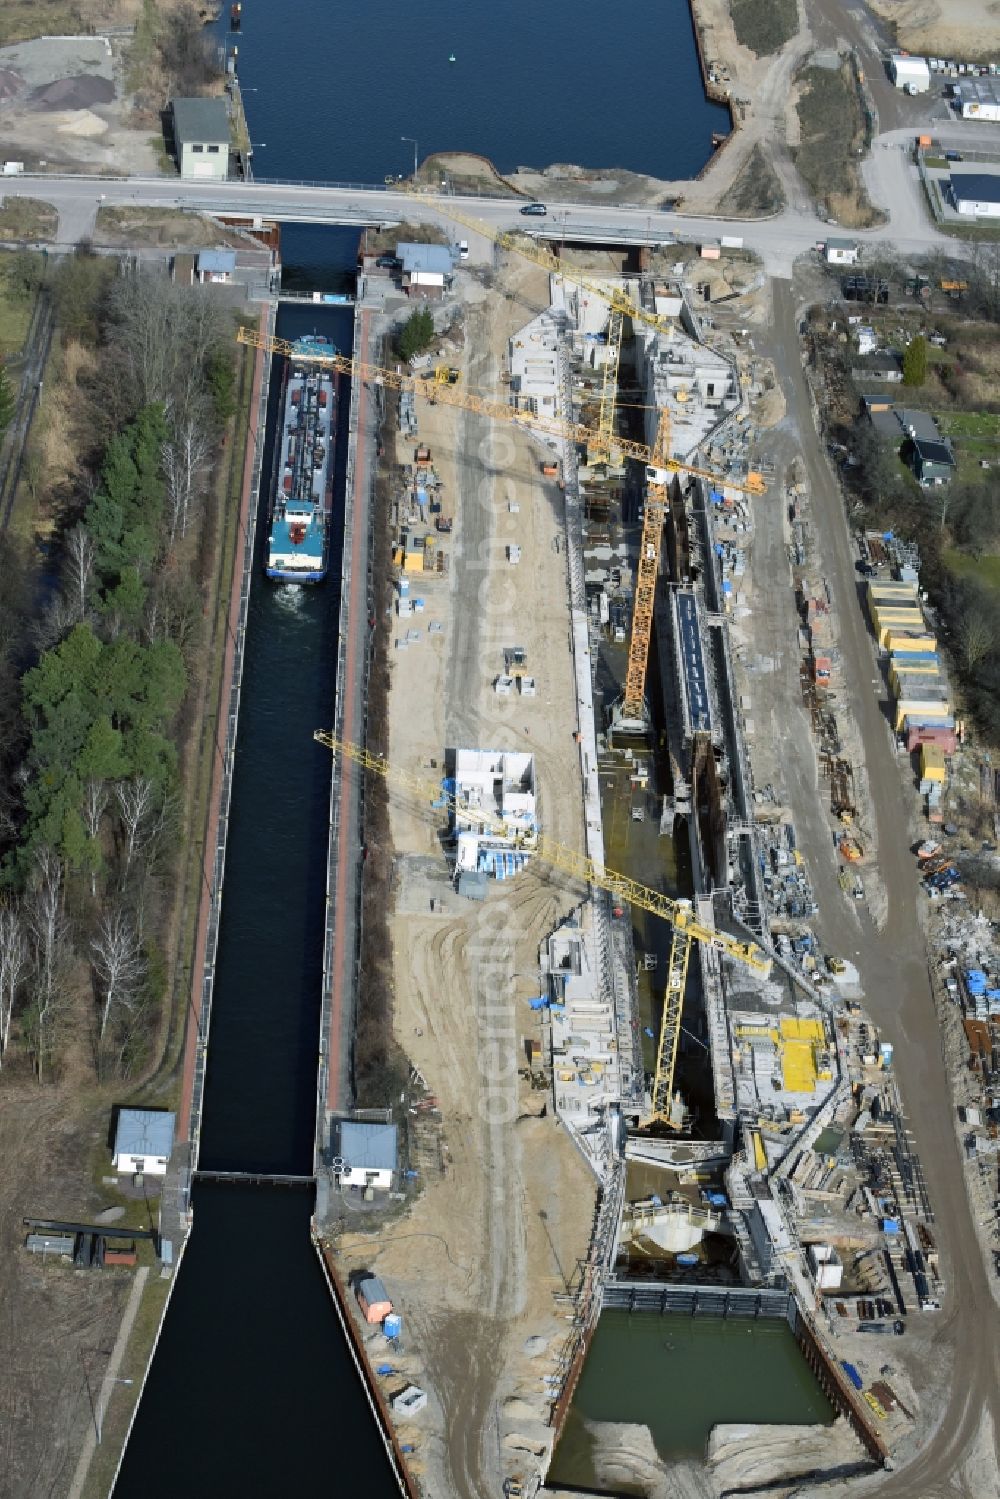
<point>826,1266</point>
<point>201,137</point>
<point>979,98</point>
<point>494,810</point>
<point>976,194</point>
<point>216,266</point>
<point>144,1139</point>
<point>425,286</point>
<point>910,73</point>
<point>365,1154</point>
<point>841,252</point>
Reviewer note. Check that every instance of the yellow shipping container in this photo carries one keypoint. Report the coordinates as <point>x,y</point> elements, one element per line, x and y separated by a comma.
<point>917,708</point>
<point>899,643</point>
<point>914,666</point>
<point>932,763</point>
<point>880,592</point>
<point>885,629</point>
<point>903,617</point>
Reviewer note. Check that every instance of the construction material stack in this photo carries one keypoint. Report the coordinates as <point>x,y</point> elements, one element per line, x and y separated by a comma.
<point>923,711</point>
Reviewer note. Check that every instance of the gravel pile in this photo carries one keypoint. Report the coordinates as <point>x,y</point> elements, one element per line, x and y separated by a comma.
<point>81,92</point>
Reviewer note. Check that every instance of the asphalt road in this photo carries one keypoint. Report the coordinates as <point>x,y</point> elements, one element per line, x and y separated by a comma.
<point>897,989</point>
<point>778,241</point>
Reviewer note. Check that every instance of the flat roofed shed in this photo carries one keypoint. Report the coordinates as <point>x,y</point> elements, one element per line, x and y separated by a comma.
<point>419,257</point>
<point>368,1147</point>
<point>205,121</point>
<point>144,1132</point>
<point>217,262</point>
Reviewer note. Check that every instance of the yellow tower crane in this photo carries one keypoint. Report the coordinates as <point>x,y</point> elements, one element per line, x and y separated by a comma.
<point>686,928</point>
<point>530,249</point>
<point>600,446</point>
<point>658,472</point>
<point>604,444</point>
<point>620,306</point>
<point>465,400</point>
<point>647,570</point>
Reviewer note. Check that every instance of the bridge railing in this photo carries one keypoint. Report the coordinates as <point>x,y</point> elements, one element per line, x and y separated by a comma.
<point>178,184</point>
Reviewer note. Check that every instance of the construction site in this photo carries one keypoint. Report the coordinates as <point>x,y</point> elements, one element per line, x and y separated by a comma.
<point>638,1079</point>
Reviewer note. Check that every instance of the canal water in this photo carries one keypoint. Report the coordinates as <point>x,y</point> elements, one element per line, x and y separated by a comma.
<point>680,1376</point>
<point>334,88</point>
<point>252,1390</point>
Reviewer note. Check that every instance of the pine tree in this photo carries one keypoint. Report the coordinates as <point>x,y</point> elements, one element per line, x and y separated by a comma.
<point>417,333</point>
<point>915,361</point>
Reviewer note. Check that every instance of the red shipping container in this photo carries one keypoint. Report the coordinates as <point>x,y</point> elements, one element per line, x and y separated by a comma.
<point>944,738</point>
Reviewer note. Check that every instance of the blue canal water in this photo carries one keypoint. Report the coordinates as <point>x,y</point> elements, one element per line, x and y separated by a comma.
<point>252,1378</point>
<point>338,85</point>
<point>252,1390</point>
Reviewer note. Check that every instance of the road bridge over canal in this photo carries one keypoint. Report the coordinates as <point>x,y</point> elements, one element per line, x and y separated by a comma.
<point>778,240</point>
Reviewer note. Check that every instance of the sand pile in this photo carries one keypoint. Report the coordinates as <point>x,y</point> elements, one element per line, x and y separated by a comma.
<point>80,122</point>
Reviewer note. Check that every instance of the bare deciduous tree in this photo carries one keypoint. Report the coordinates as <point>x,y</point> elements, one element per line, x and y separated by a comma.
<point>136,801</point>
<point>54,623</point>
<point>984,277</point>
<point>164,333</point>
<point>95,804</point>
<point>78,571</point>
<point>13,969</point>
<point>118,963</point>
<point>185,455</point>
<point>976,637</point>
<point>49,940</point>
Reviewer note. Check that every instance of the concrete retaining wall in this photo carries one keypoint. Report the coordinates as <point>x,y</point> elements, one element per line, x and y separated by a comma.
<point>200,1013</point>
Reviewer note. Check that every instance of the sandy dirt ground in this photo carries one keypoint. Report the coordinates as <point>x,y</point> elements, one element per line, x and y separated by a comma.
<point>63,106</point>
<point>503,1220</point>
<point>963,29</point>
<point>780,1461</point>
<point>156,227</point>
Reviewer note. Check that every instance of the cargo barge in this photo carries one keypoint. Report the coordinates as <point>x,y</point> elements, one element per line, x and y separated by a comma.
<point>302,487</point>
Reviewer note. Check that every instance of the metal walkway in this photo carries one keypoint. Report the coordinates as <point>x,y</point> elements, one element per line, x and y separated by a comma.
<point>255,1178</point>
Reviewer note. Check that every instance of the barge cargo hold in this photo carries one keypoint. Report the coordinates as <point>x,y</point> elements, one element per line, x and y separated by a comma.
<point>302,487</point>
